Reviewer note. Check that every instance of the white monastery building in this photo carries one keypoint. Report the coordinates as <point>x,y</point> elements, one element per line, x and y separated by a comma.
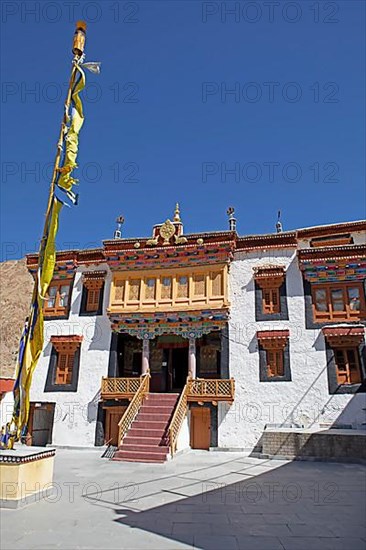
<point>175,341</point>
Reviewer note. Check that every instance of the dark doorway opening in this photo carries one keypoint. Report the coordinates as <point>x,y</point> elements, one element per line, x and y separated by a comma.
<point>179,365</point>
<point>40,424</point>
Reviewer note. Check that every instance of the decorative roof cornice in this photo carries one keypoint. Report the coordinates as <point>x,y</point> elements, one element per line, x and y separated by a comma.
<point>275,240</point>
<point>331,229</point>
<point>331,253</point>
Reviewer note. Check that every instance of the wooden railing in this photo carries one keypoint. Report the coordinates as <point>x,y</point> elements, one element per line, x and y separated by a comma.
<point>119,387</point>
<point>177,420</point>
<point>211,389</point>
<point>133,408</point>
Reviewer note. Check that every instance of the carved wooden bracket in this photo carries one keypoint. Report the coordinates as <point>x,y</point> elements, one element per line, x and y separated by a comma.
<point>273,339</point>
<point>66,344</point>
<point>93,280</point>
<point>269,276</point>
<point>344,336</point>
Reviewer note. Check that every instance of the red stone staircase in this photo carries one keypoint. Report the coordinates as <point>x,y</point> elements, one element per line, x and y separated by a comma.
<point>146,440</point>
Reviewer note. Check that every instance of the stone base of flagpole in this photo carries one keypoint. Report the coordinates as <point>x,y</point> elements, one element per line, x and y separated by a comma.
<point>26,475</point>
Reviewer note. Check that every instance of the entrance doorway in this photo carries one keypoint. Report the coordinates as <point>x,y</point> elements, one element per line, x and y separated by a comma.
<point>112,417</point>
<point>175,366</point>
<point>40,424</point>
<point>200,428</point>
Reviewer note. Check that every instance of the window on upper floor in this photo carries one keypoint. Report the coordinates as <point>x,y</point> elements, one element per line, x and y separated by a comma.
<point>274,357</point>
<point>92,296</point>
<point>270,293</point>
<point>57,300</point>
<point>271,300</point>
<point>177,288</point>
<point>338,302</point>
<point>275,366</point>
<point>345,348</point>
<point>347,365</point>
<point>63,369</point>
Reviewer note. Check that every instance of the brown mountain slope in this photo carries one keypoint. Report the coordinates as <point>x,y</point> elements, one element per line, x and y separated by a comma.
<point>16,286</point>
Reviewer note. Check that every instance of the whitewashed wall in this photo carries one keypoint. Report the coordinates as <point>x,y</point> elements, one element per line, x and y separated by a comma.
<point>184,434</point>
<point>76,412</point>
<point>306,399</point>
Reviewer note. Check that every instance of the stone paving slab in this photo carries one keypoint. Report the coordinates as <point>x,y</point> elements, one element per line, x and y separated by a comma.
<point>200,500</point>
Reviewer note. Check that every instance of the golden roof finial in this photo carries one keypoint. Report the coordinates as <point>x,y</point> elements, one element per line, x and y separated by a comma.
<point>177,213</point>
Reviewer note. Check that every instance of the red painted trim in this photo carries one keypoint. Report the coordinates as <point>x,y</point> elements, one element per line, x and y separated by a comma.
<point>343,331</point>
<point>272,334</point>
<point>6,385</point>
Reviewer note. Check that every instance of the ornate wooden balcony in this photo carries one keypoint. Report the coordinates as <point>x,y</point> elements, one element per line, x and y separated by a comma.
<point>119,388</point>
<point>213,390</point>
<point>198,389</point>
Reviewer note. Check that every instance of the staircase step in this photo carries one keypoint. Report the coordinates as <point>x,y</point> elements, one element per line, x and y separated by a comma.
<point>144,460</point>
<point>140,432</point>
<point>146,417</point>
<point>155,449</point>
<point>156,409</point>
<point>130,440</point>
<point>135,456</point>
<point>138,423</point>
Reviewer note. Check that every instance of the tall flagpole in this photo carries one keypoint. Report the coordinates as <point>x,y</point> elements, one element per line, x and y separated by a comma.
<point>31,343</point>
<point>78,51</point>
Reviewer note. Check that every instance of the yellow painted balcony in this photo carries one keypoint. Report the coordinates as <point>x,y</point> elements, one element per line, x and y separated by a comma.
<point>213,390</point>
<point>119,388</point>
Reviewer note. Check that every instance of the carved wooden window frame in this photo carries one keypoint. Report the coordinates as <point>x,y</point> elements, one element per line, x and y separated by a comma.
<point>344,342</point>
<point>270,279</point>
<point>58,310</point>
<point>64,363</point>
<point>348,375</point>
<point>347,314</point>
<point>93,286</point>
<point>274,344</point>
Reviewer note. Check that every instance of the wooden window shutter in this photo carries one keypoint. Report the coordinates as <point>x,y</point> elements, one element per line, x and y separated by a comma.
<point>275,364</point>
<point>269,279</point>
<point>66,348</point>
<point>274,343</point>
<point>92,302</point>
<point>271,300</point>
<point>93,282</point>
<point>65,363</point>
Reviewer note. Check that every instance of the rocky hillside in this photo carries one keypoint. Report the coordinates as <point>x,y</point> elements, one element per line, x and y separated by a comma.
<point>16,286</point>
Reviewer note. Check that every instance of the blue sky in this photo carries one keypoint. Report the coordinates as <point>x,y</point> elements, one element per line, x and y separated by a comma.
<point>162,126</point>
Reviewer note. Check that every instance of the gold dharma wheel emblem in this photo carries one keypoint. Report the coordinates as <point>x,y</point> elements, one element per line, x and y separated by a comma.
<point>167,231</point>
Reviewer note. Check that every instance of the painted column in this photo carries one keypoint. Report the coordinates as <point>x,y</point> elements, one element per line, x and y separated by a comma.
<point>192,357</point>
<point>145,355</point>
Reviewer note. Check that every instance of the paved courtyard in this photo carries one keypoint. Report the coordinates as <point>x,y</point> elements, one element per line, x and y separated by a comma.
<point>222,501</point>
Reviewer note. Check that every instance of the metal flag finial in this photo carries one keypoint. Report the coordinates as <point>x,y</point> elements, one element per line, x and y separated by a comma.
<point>118,232</point>
<point>279,224</point>
<point>79,38</point>
<point>232,220</point>
<point>177,213</point>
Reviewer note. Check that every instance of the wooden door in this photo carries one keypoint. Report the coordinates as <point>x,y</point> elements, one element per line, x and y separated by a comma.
<point>200,428</point>
<point>113,416</point>
<point>40,424</point>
